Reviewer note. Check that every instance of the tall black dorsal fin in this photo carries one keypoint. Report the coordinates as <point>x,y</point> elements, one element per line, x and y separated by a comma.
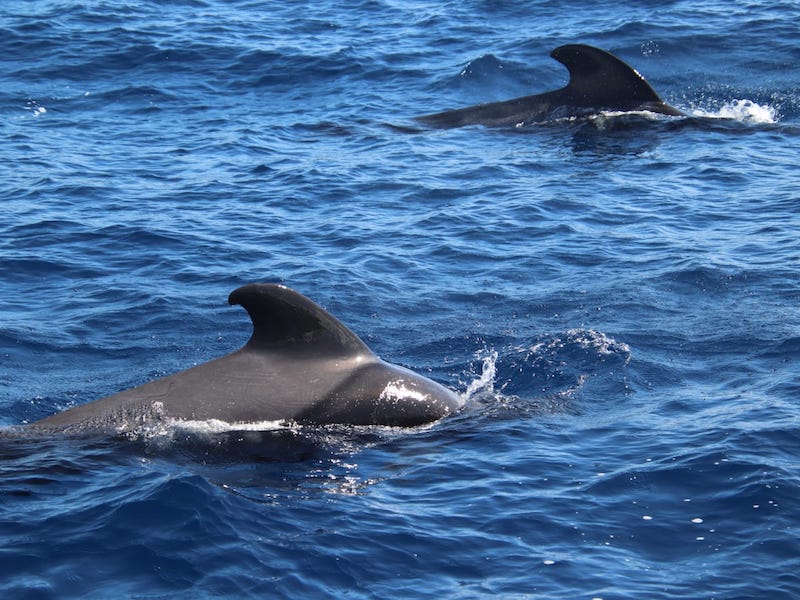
<point>283,317</point>
<point>600,79</point>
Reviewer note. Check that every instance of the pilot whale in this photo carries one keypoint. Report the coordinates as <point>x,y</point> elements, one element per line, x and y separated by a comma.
<point>598,81</point>
<point>300,364</point>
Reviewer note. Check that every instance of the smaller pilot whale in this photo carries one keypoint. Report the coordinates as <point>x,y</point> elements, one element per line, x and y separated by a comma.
<point>598,81</point>
<point>300,364</point>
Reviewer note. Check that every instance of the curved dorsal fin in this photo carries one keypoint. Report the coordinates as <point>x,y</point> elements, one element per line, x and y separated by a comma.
<point>600,79</point>
<point>283,317</point>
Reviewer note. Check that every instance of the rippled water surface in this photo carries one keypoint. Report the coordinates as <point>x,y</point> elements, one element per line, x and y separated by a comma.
<point>615,298</point>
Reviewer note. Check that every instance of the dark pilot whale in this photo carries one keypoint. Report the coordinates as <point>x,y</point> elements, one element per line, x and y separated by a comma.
<point>300,364</point>
<point>598,81</point>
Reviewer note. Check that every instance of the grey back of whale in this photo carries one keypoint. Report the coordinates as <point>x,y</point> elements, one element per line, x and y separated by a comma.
<point>300,364</point>
<point>598,81</point>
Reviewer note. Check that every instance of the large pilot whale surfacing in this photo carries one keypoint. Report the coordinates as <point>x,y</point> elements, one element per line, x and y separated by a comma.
<point>598,81</point>
<point>300,364</point>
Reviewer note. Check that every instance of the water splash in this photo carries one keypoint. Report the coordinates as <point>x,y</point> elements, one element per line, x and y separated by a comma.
<point>484,383</point>
<point>544,376</point>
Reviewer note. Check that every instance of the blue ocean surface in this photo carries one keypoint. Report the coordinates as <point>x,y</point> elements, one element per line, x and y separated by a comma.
<point>615,298</point>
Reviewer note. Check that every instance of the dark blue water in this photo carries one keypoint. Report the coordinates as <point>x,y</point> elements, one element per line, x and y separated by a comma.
<point>617,299</point>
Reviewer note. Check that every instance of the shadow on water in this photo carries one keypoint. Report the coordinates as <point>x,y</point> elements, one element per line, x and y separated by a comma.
<point>267,466</point>
<point>289,444</point>
<point>287,460</point>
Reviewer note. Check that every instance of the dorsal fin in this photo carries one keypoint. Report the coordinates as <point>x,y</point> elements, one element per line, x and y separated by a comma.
<point>284,317</point>
<point>600,79</point>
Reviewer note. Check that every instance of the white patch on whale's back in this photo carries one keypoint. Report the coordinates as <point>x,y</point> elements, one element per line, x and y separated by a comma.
<point>396,390</point>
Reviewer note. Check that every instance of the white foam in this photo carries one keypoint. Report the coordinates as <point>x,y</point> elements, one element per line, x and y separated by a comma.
<point>590,338</point>
<point>168,428</point>
<point>587,339</point>
<point>649,114</point>
<point>35,108</point>
<point>744,111</point>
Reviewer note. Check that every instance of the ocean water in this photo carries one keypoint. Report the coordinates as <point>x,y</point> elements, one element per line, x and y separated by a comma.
<point>617,299</point>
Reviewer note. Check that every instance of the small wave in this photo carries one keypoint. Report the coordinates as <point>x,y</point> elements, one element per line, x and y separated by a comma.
<point>484,66</point>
